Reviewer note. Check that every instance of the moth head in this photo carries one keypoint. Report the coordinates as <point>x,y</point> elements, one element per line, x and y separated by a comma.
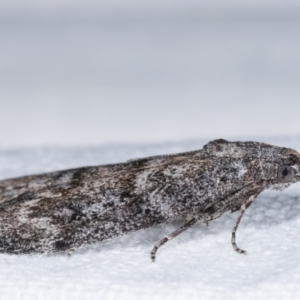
<point>276,167</point>
<point>288,172</point>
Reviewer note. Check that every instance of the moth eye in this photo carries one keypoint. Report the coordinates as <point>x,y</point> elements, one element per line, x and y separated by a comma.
<point>285,173</point>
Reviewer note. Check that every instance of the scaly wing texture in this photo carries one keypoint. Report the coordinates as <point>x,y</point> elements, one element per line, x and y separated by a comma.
<point>69,209</point>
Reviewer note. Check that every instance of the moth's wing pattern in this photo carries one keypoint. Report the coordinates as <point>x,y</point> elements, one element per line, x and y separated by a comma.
<point>33,184</point>
<point>70,209</point>
<point>11,188</point>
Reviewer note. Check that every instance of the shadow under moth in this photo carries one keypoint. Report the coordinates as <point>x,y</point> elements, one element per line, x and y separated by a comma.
<point>67,210</point>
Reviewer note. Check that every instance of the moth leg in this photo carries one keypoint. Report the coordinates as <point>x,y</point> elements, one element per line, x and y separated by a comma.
<point>243,209</point>
<point>169,237</point>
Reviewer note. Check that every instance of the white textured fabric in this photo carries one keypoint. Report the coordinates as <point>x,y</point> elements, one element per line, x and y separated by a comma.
<point>199,264</point>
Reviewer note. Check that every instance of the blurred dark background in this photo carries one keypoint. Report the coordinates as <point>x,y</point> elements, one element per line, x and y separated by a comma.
<point>96,72</point>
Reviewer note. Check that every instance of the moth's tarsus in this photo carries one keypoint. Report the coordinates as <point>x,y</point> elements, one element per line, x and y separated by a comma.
<point>153,252</point>
<point>66,210</point>
<point>171,236</point>
<point>243,209</point>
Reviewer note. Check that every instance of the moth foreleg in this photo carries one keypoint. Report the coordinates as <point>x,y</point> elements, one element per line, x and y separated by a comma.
<point>243,209</point>
<point>169,237</point>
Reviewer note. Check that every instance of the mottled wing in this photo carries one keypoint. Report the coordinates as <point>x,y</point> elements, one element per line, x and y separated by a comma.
<point>74,208</point>
<point>70,209</point>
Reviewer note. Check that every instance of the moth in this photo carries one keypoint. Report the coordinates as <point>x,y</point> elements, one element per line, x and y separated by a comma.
<point>67,210</point>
